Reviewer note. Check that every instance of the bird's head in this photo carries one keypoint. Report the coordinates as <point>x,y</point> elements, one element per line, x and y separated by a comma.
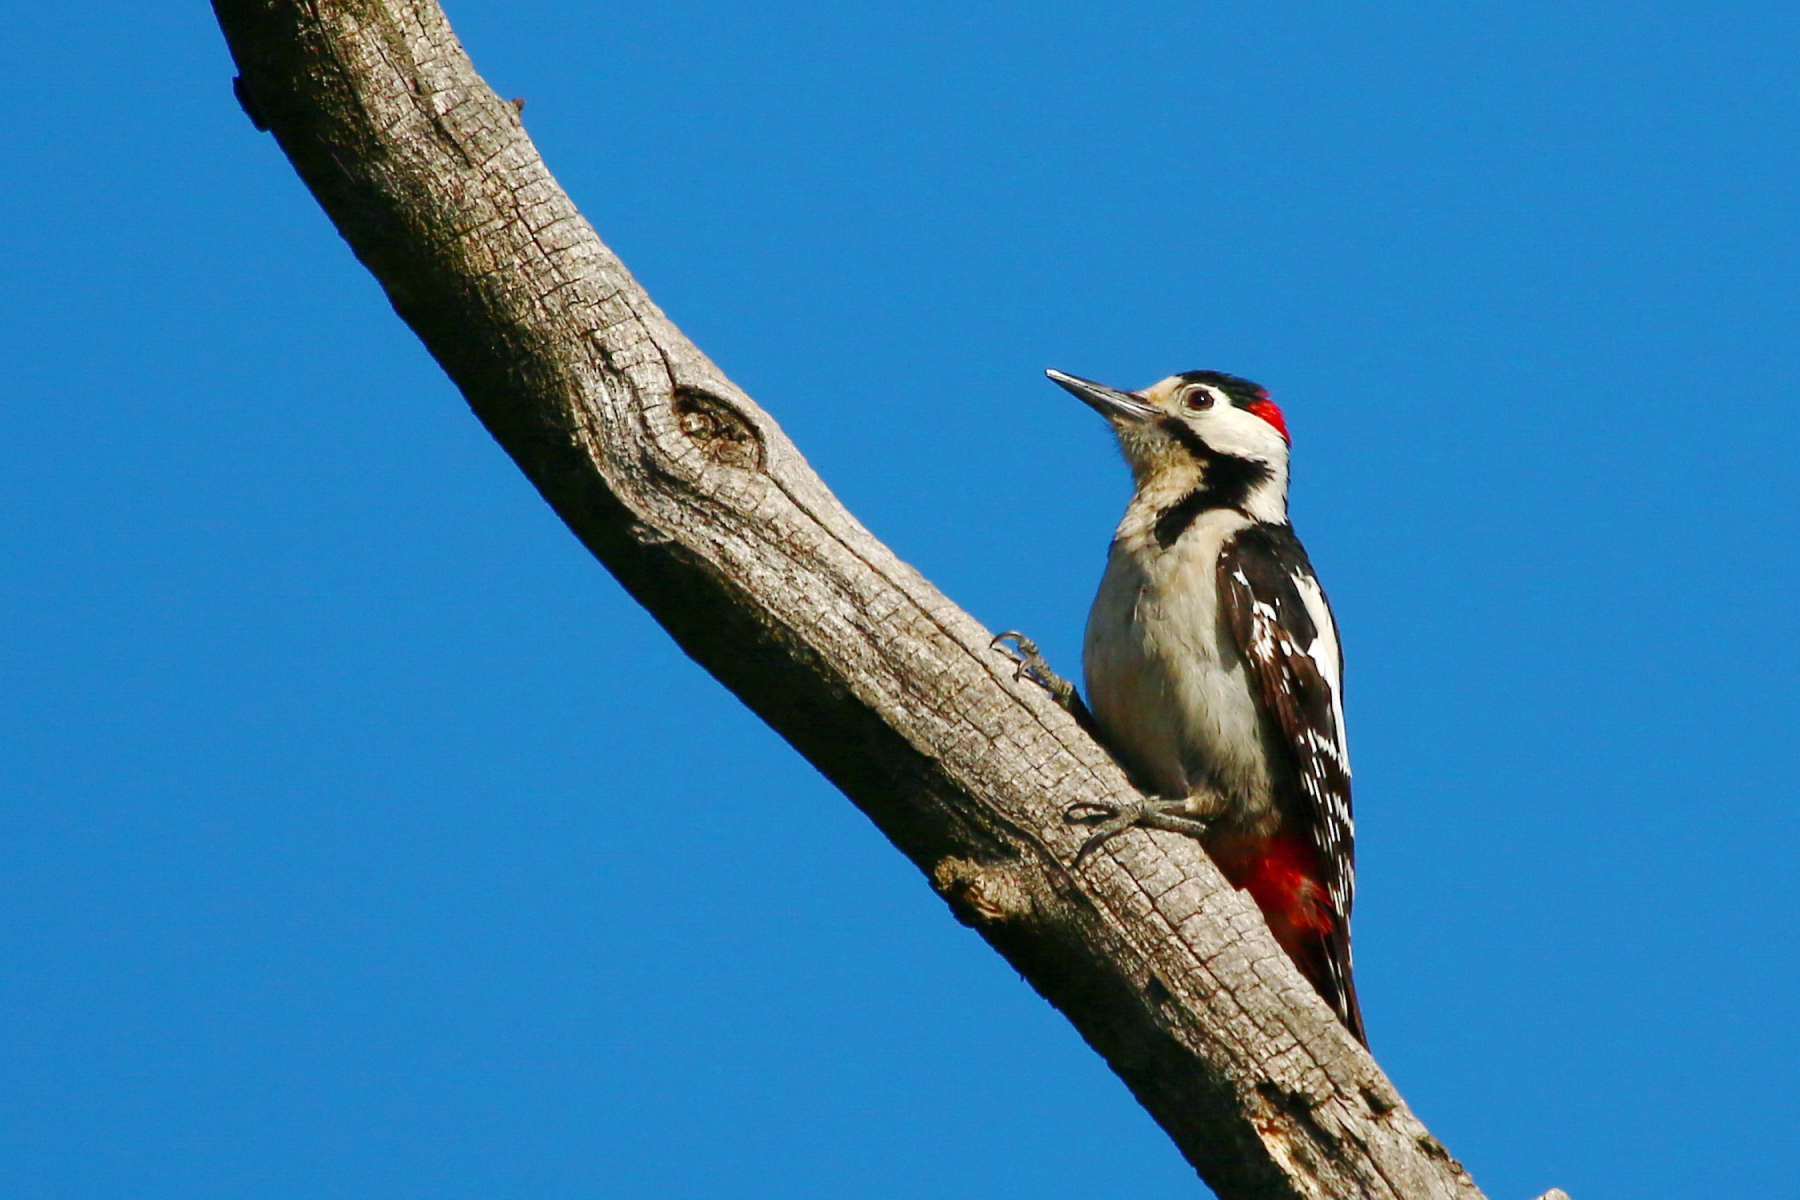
<point>1184,426</point>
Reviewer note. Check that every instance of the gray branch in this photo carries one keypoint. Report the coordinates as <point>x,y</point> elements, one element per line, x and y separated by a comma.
<point>695,499</point>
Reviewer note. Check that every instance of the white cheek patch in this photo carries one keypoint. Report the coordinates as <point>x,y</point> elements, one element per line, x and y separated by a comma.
<point>1230,430</point>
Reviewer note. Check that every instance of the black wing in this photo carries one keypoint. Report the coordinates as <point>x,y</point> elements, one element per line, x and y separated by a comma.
<point>1277,614</point>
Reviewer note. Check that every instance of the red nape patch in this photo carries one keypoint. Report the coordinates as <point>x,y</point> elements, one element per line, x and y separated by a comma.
<point>1265,408</point>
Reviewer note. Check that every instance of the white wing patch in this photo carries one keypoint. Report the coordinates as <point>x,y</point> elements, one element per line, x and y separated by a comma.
<point>1324,651</point>
<point>1338,828</point>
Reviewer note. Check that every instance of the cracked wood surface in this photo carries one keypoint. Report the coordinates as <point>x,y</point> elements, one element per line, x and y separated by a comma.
<point>693,497</point>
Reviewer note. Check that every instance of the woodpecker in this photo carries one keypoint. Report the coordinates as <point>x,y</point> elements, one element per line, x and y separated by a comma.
<point>1212,663</point>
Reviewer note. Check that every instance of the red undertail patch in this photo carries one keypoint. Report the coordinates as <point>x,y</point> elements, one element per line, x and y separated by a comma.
<point>1284,882</point>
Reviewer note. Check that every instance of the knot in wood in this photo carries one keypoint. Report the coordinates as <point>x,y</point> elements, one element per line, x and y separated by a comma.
<point>980,894</point>
<point>721,433</point>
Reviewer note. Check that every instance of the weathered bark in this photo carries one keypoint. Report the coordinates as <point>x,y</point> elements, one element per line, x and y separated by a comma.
<point>706,512</point>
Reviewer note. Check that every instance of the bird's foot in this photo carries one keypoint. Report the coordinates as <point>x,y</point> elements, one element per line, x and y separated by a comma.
<point>1109,820</point>
<point>1029,664</point>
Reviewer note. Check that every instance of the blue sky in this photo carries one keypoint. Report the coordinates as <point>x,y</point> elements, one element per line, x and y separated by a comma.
<point>359,837</point>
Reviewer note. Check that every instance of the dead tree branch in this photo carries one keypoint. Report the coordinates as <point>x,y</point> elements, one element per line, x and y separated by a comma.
<point>706,512</point>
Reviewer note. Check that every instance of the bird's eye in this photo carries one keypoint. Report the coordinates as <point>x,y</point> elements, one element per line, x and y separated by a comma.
<point>1198,400</point>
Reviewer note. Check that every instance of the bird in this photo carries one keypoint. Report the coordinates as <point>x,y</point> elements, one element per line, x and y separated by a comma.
<point>1213,669</point>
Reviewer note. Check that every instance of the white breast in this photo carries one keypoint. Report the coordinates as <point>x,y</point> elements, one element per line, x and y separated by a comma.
<point>1165,683</point>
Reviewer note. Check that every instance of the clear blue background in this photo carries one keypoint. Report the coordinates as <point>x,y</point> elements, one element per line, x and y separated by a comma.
<point>360,838</point>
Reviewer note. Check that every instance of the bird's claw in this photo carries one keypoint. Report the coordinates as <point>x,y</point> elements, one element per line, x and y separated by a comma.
<point>1109,820</point>
<point>1028,663</point>
<point>1023,653</point>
